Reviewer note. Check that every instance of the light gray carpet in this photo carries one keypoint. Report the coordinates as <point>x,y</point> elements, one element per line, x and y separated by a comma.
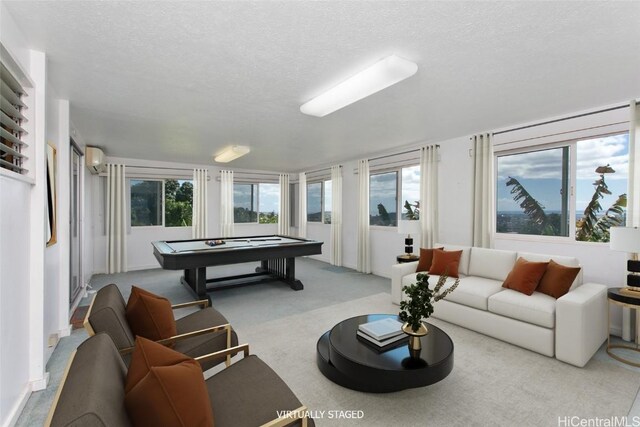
<point>492,383</point>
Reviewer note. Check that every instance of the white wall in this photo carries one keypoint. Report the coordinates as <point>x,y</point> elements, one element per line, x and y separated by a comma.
<point>33,303</point>
<point>14,296</point>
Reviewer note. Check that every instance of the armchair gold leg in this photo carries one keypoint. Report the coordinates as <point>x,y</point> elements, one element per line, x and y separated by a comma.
<point>228,360</point>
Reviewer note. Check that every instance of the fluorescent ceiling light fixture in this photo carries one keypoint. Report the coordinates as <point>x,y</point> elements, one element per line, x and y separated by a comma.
<point>380,75</point>
<point>231,153</point>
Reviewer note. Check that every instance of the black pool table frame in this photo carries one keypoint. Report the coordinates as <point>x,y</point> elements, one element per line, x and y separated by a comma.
<point>277,261</point>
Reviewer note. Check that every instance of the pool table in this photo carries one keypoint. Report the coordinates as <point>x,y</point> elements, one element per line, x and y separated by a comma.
<point>277,255</point>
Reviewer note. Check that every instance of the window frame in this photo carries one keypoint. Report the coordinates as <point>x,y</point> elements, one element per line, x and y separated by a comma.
<point>572,143</point>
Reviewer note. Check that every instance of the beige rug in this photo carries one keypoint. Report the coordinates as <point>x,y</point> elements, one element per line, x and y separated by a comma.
<point>492,382</point>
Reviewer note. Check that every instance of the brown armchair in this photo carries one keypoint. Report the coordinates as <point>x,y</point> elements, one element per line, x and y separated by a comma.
<point>201,332</point>
<point>246,394</point>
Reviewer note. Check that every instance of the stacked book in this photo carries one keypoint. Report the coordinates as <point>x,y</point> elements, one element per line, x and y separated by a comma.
<point>383,334</point>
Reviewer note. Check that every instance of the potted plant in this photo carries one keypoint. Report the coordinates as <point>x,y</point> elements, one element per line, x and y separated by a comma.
<point>418,306</point>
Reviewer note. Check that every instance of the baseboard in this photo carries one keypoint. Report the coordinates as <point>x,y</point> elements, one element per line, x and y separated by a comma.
<point>143,267</point>
<point>40,383</point>
<point>616,331</point>
<point>65,332</point>
<point>14,413</point>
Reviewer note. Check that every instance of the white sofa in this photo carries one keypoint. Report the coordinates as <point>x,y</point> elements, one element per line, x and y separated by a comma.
<point>571,328</point>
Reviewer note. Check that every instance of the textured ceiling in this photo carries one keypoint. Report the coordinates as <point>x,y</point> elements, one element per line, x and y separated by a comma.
<point>180,80</point>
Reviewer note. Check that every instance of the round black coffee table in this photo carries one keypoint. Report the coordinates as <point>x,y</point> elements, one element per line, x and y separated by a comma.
<point>347,361</point>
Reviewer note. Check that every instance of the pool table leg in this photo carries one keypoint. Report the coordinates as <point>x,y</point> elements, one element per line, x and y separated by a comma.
<point>290,274</point>
<point>195,279</point>
<point>282,269</point>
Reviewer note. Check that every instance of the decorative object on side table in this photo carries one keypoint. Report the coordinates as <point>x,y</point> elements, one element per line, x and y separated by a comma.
<point>408,227</point>
<point>407,258</point>
<point>419,306</point>
<point>627,239</point>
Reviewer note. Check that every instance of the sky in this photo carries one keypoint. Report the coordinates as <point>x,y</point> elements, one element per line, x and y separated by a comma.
<point>546,166</point>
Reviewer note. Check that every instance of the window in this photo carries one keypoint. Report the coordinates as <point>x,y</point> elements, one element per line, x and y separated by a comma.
<point>153,201</point>
<point>314,202</point>
<point>146,203</point>
<point>384,188</point>
<point>319,202</point>
<point>269,203</point>
<point>535,189</point>
<point>245,203</point>
<point>383,199</point>
<point>254,203</point>
<point>410,193</point>
<point>178,199</point>
<point>12,109</point>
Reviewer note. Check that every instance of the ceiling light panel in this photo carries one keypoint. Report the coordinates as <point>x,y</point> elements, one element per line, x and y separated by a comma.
<point>380,75</point>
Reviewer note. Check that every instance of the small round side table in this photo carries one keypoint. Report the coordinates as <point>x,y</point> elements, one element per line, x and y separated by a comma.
<point>624,300</point>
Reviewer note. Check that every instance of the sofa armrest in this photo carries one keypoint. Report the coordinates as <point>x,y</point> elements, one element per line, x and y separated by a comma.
<point>398,271</point>
<point>581,323</point>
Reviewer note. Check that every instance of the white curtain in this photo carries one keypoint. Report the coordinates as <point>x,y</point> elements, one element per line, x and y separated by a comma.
<point>429,195</point>
<point>483,190</point>
<point>116,220</point>
<point>199,229</point>
<point>302,205</point>
<point>364,253</point>
<point>633,196</point>
<point>284,220</point>
<point>226,204</point>
<point>336,215</point>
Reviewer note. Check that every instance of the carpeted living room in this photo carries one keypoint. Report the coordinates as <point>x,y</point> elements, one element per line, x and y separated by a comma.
<point>319,213</point>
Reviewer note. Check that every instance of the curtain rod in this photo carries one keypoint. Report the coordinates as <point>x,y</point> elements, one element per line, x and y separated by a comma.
<point>320,170</point>
<point>398,154</point>
<point>255,173</point>
<point>605,110</point>
<point>159,167</point>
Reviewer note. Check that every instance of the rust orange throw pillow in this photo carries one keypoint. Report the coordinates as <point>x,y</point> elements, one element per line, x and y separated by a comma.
<point>557,279</point>
<point>426,259</point>
<point>445,262</point>
<point>147,354</point>
<point>150,315</point>
<point>169,395</point>
<point>525,276</point>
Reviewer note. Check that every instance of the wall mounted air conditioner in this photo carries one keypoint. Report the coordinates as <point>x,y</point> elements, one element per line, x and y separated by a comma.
<point>94,159</point>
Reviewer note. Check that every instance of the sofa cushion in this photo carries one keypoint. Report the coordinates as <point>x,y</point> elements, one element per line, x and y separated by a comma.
<point>525,276</point>
<point>538,309</point>
<point>557,279</point>
<point>562,260</point>
<point>445,262</point>
<point>150,315</point>
<point>463,267</point>
<point>491,263</point>
<point>472,291</point>
<point>426,258</point>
